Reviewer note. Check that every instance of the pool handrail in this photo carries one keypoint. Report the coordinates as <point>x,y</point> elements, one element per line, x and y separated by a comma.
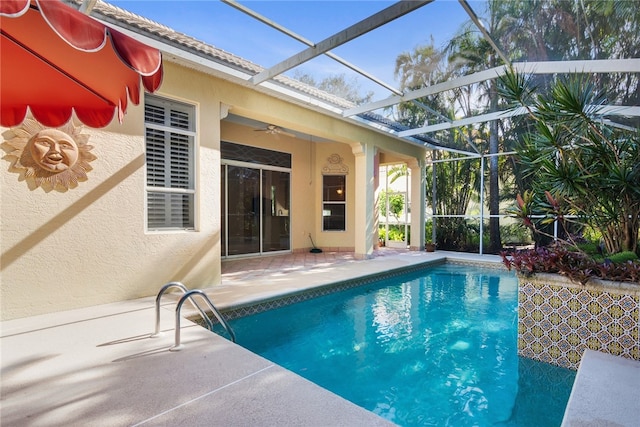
<point>183,288</point>
<point>188,296</point>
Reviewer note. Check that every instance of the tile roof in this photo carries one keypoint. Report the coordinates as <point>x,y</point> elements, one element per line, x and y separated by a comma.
<point>155,30</point>
<point>139,24</point>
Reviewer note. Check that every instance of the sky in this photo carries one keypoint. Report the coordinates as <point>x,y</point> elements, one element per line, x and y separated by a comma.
<point>229,29</point>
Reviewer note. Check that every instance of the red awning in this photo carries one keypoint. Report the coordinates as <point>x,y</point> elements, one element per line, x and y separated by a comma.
<point>55,59</point>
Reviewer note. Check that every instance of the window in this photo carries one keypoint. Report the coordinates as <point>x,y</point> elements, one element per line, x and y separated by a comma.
<point>169,136</point>
<point>334,206</point>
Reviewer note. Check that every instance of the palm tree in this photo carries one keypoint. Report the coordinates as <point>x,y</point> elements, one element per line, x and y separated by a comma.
<point>468,54</point>
<point>529,30</point>
<point>458,180</point>
<point>416,69</point>
<point>541,30</point>
<point>577,163</point>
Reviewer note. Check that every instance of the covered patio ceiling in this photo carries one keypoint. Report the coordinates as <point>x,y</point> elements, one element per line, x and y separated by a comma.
<point>379,112</point>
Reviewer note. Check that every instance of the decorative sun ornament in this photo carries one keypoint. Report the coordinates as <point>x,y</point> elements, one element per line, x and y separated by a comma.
<point>51,158</point>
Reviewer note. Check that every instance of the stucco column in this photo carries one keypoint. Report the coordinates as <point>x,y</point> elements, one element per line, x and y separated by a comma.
<point>364,199</point>
<point>418,195</point>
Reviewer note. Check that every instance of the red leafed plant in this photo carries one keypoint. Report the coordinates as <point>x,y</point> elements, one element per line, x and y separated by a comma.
<point>577,266</point>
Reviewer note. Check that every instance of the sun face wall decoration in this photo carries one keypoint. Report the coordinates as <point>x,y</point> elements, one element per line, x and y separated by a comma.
<point>51,158</point>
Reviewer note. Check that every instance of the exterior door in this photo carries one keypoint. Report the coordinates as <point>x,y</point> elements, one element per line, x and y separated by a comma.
<point>255,210</point>
<point>243,210</point>
<point>275,211</point>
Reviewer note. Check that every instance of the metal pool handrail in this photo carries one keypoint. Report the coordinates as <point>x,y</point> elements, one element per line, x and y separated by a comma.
<point>187,296</point>
<point>183,288</point>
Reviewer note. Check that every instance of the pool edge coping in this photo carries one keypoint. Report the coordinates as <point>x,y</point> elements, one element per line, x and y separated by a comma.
<point>247,308</point>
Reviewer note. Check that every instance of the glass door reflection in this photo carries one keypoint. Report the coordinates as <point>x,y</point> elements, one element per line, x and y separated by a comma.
<point>243,210</point>
<point>254,210</point>
<point>275,211</point>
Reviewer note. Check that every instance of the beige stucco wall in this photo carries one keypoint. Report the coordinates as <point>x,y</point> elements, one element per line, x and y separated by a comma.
<point>308,160</point>
<point>303,173</point>
<point>89,246</point>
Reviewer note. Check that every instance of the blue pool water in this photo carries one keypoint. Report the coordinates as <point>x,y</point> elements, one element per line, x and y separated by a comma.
<point>438,347</point>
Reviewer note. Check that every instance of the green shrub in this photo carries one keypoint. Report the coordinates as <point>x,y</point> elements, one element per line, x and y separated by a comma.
<point>622,257</point>
<point>428,231</point>
<point>396,235</point>
<point>396,204</point>
<point>589,248</point>
<point>382,233</point>
<point>515,233</point>
<point>591,234</point>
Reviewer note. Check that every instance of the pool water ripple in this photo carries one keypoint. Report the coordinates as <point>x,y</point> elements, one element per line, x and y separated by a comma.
<point>437,347</point>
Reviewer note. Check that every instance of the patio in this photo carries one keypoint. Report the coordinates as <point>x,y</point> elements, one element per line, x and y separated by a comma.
<point>99,364</point>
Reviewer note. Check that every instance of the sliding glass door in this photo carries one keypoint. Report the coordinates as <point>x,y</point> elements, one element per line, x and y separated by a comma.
<point>243,210</point>
<point>275,211</point>
<point>255,209</point>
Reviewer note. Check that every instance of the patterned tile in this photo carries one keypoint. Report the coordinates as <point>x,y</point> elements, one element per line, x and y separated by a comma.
<point>557,323</point>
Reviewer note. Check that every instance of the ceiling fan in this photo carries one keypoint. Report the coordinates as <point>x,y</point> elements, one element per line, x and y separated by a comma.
<point>275,130</point>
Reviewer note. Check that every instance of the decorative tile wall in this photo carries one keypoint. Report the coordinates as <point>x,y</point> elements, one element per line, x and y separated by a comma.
<point>557,321</point>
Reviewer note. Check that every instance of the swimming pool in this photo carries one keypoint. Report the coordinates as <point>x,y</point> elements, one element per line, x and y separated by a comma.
<point>436,347</point>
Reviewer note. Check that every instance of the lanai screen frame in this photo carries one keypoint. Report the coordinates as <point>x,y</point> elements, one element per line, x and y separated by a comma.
<point>402,7</point>
<point>418,135</point>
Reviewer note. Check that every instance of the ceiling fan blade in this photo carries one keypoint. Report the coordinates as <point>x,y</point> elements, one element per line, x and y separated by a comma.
<point>275,130</point>
<point>268,129</point>
<point>287,134</point>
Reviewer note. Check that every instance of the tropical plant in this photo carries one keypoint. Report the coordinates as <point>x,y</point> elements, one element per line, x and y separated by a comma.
<point>395,205</point>
<point>470,53</point>
<point>576,163</point>
<point>525,30</point>
<point>458,180</point>
<point>396,172</point>
<point>541,30</point>
<point>421,67</point>
<point>428,232</point>
<point>396,234</point>
<point>577,266</point>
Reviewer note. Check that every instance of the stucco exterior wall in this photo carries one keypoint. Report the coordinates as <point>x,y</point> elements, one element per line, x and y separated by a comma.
<point>89,245</point>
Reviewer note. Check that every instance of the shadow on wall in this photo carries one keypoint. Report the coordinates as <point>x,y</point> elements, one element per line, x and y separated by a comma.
<point>12,254</point>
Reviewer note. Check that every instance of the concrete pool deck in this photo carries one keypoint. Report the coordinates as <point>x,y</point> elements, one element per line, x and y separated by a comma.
<point>99,366</point>
<point>606,392</point>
